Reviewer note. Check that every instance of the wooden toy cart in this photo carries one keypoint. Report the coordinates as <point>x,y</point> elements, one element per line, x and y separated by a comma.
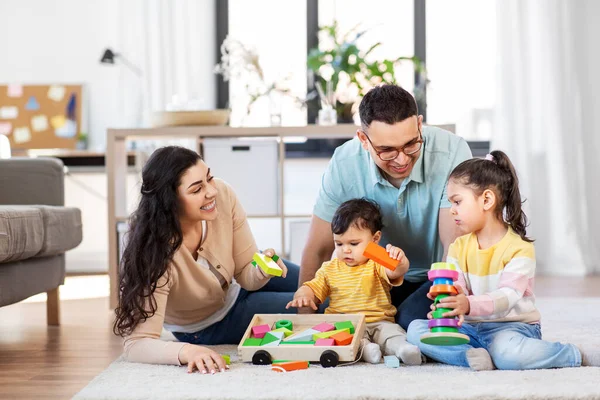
<point>328,356</point>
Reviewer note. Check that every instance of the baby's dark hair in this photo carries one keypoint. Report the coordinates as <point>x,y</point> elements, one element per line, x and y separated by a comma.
<point>498,175</point>
<point>361,213</point>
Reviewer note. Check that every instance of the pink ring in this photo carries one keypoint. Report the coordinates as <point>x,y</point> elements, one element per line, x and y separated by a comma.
<point>443,322</point>
<point>442,273</point>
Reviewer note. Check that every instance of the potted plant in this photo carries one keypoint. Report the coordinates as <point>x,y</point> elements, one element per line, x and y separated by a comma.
<point>352,70</point>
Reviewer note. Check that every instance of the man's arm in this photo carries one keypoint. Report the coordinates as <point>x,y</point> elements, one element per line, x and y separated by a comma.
<point>319,248</point>
<point>448,230</point>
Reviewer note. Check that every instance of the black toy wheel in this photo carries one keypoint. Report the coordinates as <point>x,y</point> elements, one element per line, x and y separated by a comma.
<point>261,357</point>
<point>329,358</point>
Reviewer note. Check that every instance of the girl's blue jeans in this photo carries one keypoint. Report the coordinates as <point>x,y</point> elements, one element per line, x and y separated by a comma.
<point>270,299</point>
<point>511,345</point>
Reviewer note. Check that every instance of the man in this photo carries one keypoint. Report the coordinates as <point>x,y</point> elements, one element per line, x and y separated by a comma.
<point>404,167</point>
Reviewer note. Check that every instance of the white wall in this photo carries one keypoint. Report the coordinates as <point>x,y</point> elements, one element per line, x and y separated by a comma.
<point>61,41</point>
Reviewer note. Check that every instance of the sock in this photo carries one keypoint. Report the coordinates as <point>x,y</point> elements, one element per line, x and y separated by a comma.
<point>590,357</point>
<point>409,354</point>
<point>371,352</point>
<point>479,360</point>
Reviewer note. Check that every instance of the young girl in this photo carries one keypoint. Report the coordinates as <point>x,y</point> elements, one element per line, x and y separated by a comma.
<point>496,261</point>
<point>357,285</point>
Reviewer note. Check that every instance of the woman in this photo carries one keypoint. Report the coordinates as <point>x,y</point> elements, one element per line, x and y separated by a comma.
<point>189,239</point>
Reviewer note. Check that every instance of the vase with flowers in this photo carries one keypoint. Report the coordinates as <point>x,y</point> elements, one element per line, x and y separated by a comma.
<point>242,63</point>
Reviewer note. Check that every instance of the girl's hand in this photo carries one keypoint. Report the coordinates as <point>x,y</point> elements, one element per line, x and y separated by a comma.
<point>270,253</point>
<point>459,304</point>
<point>395,252</point>
<point>202,358</point>
<point>303,301</point>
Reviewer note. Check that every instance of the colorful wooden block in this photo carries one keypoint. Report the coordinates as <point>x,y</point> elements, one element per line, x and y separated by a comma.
<point>325,342</point>
<point>285,331</point>
<point>378,254</point>
<point>227,359</point>
<point>324,335</point>
<point>324,327</point>
<point>391,361</point>
<point>272,339</point>
<point>284,323</point>
<point>306,342</point>
<point>301,336</point>
<point>267,264</point>
<point>252,342</point>
<point>260,331</point>
<point>345,325</point>
<point>342,338</point>
<point>290,366</point>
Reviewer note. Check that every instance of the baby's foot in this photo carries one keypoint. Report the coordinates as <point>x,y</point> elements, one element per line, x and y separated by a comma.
<point>590,357</point>
<point>409,354</point>
<point>479,360</point>
<point>371,352</point>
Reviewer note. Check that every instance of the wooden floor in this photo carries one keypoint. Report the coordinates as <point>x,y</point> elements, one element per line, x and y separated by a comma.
<point>40,362</point>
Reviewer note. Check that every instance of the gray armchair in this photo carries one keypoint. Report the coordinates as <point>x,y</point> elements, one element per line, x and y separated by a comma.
<point>36,229</point>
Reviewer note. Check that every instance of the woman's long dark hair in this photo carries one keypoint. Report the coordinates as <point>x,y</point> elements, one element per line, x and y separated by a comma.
<point>500,176</point>
<point>154,236</point>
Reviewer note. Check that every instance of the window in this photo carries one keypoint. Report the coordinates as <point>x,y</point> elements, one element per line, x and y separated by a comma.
<point>461,63</point>
<point>279,38</point>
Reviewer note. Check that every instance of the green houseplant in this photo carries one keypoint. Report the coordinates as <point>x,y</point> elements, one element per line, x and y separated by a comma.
<point>352,70</point>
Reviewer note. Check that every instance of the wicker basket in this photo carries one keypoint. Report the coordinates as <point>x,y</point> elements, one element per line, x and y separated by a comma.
<point>190,118</point>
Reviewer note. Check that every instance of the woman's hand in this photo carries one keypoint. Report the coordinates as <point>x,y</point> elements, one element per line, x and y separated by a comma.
<point>202,358</point>
<point>270,253</point>
<point>303,301</point>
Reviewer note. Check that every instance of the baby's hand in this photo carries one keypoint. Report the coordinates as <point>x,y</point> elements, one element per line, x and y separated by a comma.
<point>394,252</point>
<point>302,302</point>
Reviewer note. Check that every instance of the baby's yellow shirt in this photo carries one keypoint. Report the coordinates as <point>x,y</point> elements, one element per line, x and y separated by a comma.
<point>363,289</point>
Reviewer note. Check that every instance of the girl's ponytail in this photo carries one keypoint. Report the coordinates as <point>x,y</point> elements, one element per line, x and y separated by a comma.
<point>514,214</point>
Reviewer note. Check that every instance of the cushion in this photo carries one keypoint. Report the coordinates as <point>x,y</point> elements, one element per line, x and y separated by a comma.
<point>38,231</point>
<point>21,232</point>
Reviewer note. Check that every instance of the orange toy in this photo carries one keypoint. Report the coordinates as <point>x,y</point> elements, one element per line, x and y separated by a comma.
<point>342,338</point>
<point>290,366</point>
<point>378,254</point>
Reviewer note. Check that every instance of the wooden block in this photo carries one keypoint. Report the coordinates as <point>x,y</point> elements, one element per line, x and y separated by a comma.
<point>301,336</point>
<point>285,331</point>
<point>345,325</point>
<point>252,342</point>
<point>325,342</point>
<point>267,264</point>
<point>324,327</point>
<point>324,335</point>
<point>271,339</point>
<point>378,254</point>
<point>391,361</point>
<point>308,342</point>
<point>226,358</point>
<point>260,331</point>
<point>342,338</point>
<point>290,366</point>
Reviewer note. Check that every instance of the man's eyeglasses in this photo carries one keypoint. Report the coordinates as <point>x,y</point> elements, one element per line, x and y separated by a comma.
<point>408,149</point>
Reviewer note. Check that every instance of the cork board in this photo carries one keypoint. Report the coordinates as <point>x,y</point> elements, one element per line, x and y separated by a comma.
<point>41,116</point>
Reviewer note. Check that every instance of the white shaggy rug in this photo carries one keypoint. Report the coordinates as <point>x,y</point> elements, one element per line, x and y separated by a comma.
<point>564,319</point>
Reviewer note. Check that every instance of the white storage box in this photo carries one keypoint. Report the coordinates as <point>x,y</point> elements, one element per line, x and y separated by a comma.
<point>250,166</point>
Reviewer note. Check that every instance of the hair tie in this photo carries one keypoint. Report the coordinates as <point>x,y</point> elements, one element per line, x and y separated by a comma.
<point>491,158</point>
<point>145,189</point>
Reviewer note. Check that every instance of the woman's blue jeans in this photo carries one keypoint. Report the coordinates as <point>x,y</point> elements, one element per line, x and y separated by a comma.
<point>271,299</point>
